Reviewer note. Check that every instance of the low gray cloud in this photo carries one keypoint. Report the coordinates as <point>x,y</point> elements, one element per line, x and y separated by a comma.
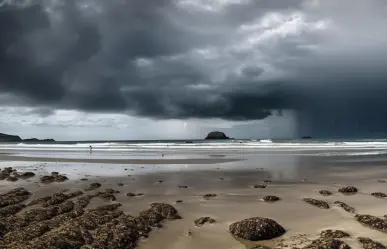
<point>180,59</point>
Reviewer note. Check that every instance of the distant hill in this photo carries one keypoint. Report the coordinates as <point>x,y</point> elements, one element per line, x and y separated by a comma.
<point>13,138</point>
<point>9,138</point>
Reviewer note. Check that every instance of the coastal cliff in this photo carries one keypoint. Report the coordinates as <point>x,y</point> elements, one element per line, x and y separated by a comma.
<point>14,138</point>
<point>9,138</point>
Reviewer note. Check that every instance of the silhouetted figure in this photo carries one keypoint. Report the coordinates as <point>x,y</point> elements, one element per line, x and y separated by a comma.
<point>91,149</point>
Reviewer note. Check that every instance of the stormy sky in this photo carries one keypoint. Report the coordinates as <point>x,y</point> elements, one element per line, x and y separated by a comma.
<point>142,69</point>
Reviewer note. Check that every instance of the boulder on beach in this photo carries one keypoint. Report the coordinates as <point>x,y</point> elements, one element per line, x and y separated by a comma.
<point>317,203</point>
<point>379,195</point>
<point>257,228</point>
<point>372,221</point>
<point>216,135</point>
<point>325,192</point>
<point>203,220</point>
<point>327,243</point>
<point>333,234</point>
<point>271,198</point>
<point>348,190</point>
<point>345,206</point>
<point>369,243</point>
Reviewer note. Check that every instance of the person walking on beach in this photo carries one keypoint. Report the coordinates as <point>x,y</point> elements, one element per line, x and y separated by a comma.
<point>91,148</point>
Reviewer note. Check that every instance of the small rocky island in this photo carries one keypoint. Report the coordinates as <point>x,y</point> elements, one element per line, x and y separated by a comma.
<point>216,135</point>
<point>4,138</point>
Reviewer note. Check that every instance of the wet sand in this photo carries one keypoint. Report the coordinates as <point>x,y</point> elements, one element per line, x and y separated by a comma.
<point>9,157</point>
<point>292,178</point>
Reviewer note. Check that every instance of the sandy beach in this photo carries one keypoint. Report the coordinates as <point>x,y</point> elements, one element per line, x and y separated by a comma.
<point>183,183</point>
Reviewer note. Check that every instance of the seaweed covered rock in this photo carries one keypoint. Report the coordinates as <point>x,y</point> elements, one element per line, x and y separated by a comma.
<point>203,220</point>
<point>14,196</point>
<point>93,186</point>
<point>325,192</point>
<point>11,210</point>
<point>372,221</point>
<point>26,175</point>
<point>345,206</point>
<point>327,243</point>
<point>256,228</point>
<point>106,196</point>
<point>379,195</point>
<point>111,191</point>
<point>55,199</point>
<point>209,196</point>
<point>165,210</point>
<point>368,243</point>
<point>54,177</point>
<point>317,203</point>
<point>348,190</point>
<point>271,198</point>
<point>130,194</point>
<point>334,234</point>
<point>259,186</point>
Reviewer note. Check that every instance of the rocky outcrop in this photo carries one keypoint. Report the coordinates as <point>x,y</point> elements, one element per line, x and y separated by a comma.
<point>271,198</point>
<point>345,206</point>
<point>257,228</point>
<point>13,138</point>
<point>372,221</point>
<point>379,195</point>
<point>203,220</point>
<point>348,190</point>
<point>369,243</point>
<point>325,192</point>
<point>216,135</point>
<point>9,138</point>
<point>317,203</point>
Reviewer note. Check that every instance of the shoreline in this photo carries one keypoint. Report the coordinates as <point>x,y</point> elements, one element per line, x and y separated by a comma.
<point>118,161</point>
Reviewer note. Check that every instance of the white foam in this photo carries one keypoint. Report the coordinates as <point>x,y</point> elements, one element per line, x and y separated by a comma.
<point>226,145</point>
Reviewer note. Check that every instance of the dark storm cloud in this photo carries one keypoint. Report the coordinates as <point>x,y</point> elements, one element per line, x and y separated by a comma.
<point>165,59</point>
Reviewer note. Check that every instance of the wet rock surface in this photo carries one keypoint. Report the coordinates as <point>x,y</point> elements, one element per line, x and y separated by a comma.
<point>368,243</point>
<point>93,186</point>
<point>13,175</point>
<point>54,177</point>
<point>130,194</point>
<point>317,203</point>
<point>379,195</point>
<point>271,198</point>
<point>15,196</point>
<point>66,224</point>
<point>325,192</point>
<point>56,198</point>
<point>260,186</point>
<point>348,190</point>
<point>372,221</point>
<point>327,243</point>
<point>209,196</point>
<point>345,206</point>
<point>203,220</point>
<point>256,228</point>
<point>334,234</point>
